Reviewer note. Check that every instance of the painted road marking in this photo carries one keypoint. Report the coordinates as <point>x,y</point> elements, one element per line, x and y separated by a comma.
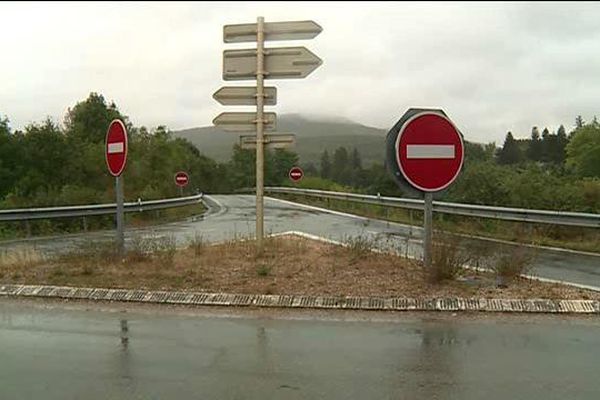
<point>430,151</point>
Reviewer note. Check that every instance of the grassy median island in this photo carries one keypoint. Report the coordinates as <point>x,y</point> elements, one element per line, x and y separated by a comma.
<point>290,265</point>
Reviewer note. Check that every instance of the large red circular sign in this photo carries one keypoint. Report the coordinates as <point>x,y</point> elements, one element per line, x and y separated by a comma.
<point>429,151</point>
<point>181,178</point>
<point>116,147</point>
<point>296,174</point>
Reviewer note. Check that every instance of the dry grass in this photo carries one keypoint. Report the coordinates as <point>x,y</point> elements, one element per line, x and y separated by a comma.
<point>290,265</point>
<point>447,258</point>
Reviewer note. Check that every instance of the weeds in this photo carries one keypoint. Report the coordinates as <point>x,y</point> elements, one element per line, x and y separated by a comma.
<point>89,251</point>
<point>161,249</point>
<point>447,259</point>
<point>21,257</point>
<point>164,250</point>
<point>198,244</point>
<point>360,246</point>
<point>263,270</point>
<point>509,265</point>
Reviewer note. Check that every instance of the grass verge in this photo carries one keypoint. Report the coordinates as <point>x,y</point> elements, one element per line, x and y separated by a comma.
<point>289,265</point>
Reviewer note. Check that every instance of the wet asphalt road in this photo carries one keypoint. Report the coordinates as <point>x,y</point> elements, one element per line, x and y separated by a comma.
<point>53,353</point>
<point>234,215</point>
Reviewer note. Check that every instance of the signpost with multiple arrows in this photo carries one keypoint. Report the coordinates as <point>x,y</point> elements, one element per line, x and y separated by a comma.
<point>260,64</point>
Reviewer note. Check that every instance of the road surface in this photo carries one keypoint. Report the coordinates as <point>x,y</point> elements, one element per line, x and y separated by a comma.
<point>234,216</point>
<point>53,353</point>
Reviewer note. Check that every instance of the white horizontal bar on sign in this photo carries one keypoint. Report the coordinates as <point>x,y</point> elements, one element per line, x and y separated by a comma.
<point>430,151</point>
<point>117,147</point>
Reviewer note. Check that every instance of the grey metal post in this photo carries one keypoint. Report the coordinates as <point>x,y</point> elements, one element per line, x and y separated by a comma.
<point>120,242</point>
<point>260,39</point>
<point>428,222</point>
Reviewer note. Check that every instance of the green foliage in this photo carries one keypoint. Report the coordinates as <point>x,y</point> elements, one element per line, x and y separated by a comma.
<point>510,152</point>
<point>325,165</point>
<point>242,167</point>
<point>534,150</point>
<point>48,166</point>
<point>89,119</point>
<point>481,183</point>
<point>583,151</point>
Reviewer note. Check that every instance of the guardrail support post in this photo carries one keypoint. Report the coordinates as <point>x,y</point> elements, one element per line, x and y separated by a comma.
<point>85,226</point>
<point>428,222</point>
<point>27,228</point>
<point>120,217</point>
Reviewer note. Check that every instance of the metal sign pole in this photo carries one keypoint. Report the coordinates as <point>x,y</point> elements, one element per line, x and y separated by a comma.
<point>260,54</point>
<point>428,227</point>
<point>120,217</point>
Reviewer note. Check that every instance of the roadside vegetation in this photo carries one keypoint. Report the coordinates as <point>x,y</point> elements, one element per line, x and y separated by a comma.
<point>289,265</point>
<point>62,163</point>
<point>575,238</point>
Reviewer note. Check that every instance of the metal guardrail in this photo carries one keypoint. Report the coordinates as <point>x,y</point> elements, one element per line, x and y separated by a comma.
<point>471,210</point>
<point>24,214</point>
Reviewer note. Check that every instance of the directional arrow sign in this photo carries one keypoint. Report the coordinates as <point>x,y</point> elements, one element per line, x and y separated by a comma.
<point>287,30</point>
<point>280,63</point>
<point>244,95</point>
<point>244,121</point>
<point>272,141</point>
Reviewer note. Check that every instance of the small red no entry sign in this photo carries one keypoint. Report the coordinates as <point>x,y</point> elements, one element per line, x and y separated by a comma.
<point>181,178</point>
<point>296,174</point>
<point>116,147</point>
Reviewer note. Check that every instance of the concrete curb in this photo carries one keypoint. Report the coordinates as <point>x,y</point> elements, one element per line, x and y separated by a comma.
<point>308,302</point>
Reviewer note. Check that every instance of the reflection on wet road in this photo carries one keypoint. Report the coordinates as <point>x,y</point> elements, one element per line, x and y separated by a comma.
<point>60,354</point>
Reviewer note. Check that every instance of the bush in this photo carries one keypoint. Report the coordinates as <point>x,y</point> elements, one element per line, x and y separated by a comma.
<point>263,270</point>
<point>161,249</point>
<point>198,244</point>
<point>447,258</point>
<point>360,246</point>
<point>512,264</point>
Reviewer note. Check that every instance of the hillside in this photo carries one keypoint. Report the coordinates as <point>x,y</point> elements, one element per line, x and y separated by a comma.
<point>312,136</point>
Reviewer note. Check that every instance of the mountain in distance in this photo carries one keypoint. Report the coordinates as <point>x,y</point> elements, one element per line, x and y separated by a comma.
<point>313,136</point>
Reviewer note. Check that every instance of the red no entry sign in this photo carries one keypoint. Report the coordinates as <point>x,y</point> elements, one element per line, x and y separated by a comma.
<point>181,179</point>
<point>116,147</point>
<point>296,174</point>
<point>429,151</point>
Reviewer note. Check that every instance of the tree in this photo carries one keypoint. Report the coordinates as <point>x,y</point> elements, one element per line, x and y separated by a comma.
<point>534,150</point>
<point>355,161</point>
<point>277,166</point>
<point>341,167</point>
<point>561,145</point>
<point>583,151</point>
<point>579,122</point>
<point>89,119</point>
<point>510,152</point>
<point>310,169</point>
<point>325,165</point>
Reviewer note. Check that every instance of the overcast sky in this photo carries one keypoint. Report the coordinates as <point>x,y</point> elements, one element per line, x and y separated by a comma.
<point>493,67</point>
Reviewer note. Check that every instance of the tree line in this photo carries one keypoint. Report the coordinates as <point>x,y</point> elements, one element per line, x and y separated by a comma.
<point>46,164</point>
<point>556,171</point>
<point>49,164</point>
